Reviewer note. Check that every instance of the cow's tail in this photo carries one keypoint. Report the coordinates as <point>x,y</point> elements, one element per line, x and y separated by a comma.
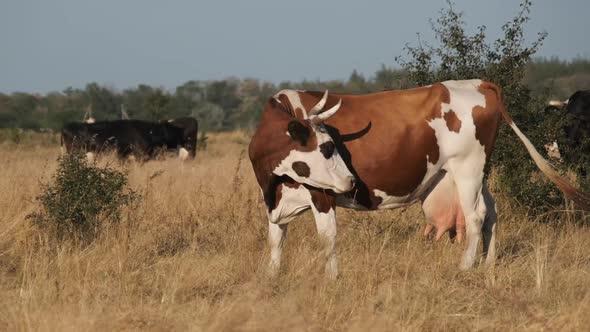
<point>581,199</point>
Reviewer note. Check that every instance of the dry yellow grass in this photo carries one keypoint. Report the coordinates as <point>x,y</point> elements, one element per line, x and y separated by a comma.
<point>192,256</point>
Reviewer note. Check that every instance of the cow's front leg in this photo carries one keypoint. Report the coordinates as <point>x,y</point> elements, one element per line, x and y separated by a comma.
<point>324,212</point>
<point>291,200</point>
<point>276,238</point>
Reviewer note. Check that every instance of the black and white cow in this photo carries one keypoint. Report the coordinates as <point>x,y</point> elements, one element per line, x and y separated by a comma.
<point>140,139</point>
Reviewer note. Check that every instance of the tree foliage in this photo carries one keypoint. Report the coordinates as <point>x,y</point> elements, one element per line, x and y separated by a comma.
<point>234,103</point>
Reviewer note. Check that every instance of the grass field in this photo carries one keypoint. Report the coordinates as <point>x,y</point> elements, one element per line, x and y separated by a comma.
<point>192,256</point>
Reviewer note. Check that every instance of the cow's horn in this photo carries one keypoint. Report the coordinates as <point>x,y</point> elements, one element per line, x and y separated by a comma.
<point>316,119</point>
<point>320,105</point>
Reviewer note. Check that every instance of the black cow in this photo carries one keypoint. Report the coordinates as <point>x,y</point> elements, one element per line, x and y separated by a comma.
<point>578,105</point>
<point>190,129</point>
<point>578,130</point>
<point>141,139</point>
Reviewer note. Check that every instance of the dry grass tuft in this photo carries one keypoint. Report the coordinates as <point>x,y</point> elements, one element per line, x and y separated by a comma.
<point>192,256</point>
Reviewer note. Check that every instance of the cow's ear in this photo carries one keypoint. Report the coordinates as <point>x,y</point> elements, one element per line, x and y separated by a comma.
<point>298,132</point>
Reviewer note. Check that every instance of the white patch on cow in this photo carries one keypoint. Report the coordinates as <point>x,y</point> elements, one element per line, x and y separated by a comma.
<point>324,173</point>
<point>90,157</point>
<point>183,154</point>
<point>392,202</point>
<point>464,96</point>
<point>293,202</point>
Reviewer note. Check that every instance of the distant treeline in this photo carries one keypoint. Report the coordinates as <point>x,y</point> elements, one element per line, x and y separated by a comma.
<point>234,103</point>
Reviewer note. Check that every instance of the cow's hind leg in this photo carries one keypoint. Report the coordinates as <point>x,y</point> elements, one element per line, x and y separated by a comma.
<point>469,182</point>
<point>489,226</point>
<point>473,222</point>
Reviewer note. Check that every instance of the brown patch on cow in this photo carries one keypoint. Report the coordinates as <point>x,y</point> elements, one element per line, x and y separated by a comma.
<point>402,172</point>
<point>301,169</point>
<point>453,122</point>
<point>399,136</point>
<point>441,94</point>
<point>487,120</point>
<point>277,198</point>
<point>410,175</point>
<point>322,200</point>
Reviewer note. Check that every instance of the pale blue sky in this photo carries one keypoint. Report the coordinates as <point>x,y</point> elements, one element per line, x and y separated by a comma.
<point>52,44</point>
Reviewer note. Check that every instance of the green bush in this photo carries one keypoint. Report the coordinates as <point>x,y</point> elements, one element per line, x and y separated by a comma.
<point>80,197</point>
<point>459,55</point>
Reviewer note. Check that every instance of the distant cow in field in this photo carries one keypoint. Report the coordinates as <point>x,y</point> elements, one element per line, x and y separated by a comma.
<point>578,106</point>
<point>140,139</point>
<point>190,130</point>
<point>426,145</point>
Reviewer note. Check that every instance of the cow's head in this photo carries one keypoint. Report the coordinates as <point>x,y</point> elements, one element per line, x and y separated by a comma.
<point>298,147</point>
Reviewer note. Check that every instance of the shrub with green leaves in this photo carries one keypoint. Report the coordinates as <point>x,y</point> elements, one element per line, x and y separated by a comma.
<point>80,197</point>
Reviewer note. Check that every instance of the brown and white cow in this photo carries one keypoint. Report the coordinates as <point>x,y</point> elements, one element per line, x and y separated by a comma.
<point>426,145</point>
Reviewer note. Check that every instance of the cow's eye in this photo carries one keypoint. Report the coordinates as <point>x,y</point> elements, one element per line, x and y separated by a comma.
<point>327,149</point>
